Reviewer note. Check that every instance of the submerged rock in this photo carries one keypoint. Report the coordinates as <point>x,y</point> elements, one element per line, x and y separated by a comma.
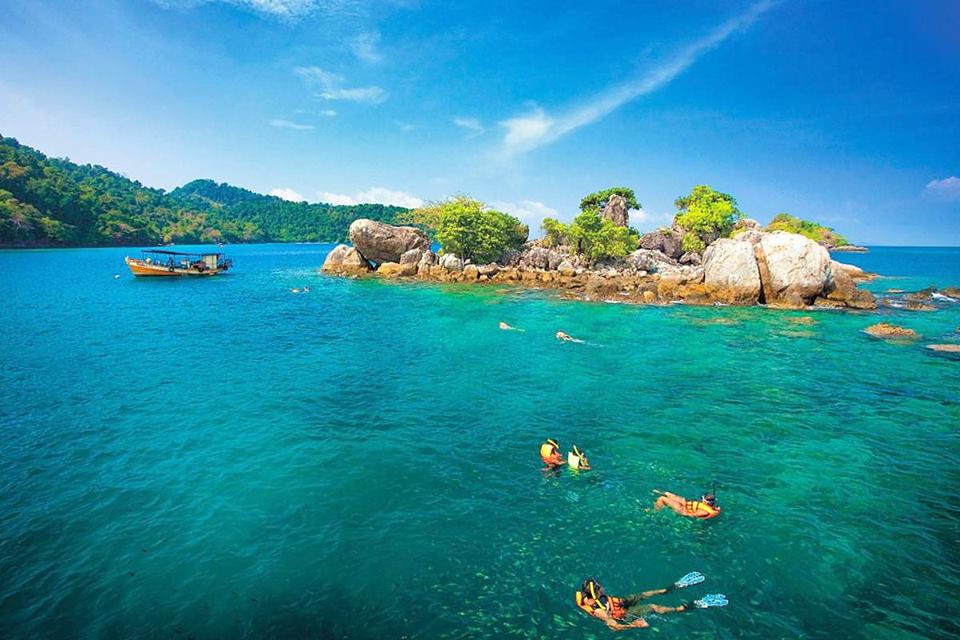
<point>381,242</point>
<point>944,348</point>
<point>886,330</point>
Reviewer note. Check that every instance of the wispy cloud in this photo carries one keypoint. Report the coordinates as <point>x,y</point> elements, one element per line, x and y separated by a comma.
<point>530,212</point>
<point>947,189</point>
<point>328,113</point>
<point>283,10</point>
<point>287,124</point>
<point>537,128</point>
<point>471,124</point>
<point>375,195</point>
<point>328,86</point>
<point>287,194</point>
<point>406,127</point>
<point>366,47</point>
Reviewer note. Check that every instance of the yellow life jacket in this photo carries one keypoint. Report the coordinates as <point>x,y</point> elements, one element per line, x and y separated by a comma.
<point>547,450</point>
<point>698,509</point>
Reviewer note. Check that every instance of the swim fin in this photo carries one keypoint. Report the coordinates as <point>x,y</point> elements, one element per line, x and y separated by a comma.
<point>692,578</point>
<point>711,600</point>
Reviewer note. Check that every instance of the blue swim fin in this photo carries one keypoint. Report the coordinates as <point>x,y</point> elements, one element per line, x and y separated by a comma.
<point>692,578</point>
<point>711,600</point>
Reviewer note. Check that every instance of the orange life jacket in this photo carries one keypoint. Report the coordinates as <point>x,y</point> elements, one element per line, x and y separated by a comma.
<point>613,606</point>
<point>698,509</point>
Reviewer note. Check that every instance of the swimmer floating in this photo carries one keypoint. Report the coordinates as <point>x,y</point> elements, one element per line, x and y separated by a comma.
<point>627,612</point>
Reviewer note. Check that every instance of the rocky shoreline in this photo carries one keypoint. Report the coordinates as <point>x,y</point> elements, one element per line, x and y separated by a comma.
<point>776,269</point>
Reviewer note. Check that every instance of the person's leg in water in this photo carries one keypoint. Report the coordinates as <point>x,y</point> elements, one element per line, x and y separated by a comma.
<point>671,500</point>
<point>636,608</point>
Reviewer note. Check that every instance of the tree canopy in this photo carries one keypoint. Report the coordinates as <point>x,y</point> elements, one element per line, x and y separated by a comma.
<point>597,201</point>
<point>591,235</point>
<point>467,228</point>
<point>817,232</point>
<point>705,214</point>
<point>54,202</point>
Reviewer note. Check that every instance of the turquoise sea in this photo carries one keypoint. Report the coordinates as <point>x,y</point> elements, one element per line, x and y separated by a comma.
<point>222,458</point>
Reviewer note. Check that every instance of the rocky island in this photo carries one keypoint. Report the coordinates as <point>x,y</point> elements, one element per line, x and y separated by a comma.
<point>741,265</point>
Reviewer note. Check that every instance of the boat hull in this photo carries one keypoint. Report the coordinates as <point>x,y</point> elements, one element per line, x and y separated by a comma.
<point>141,268</point>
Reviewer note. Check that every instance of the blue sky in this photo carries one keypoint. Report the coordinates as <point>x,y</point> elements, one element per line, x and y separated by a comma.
<point>846,113</point>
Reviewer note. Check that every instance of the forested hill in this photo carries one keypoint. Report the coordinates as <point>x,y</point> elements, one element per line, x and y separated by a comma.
<point>54,202</point>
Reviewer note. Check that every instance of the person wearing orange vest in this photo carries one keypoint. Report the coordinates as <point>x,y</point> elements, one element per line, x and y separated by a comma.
<point>704,508</point>
<point>550,454</point>
<point>624,613</point>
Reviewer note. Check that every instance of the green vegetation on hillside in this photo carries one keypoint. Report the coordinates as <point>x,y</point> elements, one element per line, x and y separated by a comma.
<point>705,214</point>
<point>54,202</point>
<point>467,228</point>
<point>817,232</point>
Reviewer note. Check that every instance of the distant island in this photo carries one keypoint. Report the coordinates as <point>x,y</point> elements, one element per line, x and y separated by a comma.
<point>711,254</point>
<point>51,202</point>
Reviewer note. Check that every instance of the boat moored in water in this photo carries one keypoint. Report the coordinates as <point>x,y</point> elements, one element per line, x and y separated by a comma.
<point>160,262</point>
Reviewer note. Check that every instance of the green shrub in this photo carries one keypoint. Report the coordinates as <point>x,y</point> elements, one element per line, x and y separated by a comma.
<point>692,243</point>
<point>465,227</point>
<point>707,212</point>
<point>812,230</point>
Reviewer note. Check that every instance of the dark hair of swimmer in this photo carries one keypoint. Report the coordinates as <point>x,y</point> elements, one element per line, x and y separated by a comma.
<point>710,499</point>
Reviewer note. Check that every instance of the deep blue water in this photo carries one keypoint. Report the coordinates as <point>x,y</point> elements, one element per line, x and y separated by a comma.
<point>221,458</point>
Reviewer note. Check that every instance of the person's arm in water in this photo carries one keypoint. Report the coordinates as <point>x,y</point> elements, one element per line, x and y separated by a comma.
<point>608,620</point>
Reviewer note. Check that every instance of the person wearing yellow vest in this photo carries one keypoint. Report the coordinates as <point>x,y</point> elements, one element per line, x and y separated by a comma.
<point>624,613</point>
<point>704,508</point>
<point>550,454</point>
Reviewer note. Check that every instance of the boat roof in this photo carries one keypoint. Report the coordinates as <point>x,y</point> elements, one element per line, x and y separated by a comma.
<point>182,253</point>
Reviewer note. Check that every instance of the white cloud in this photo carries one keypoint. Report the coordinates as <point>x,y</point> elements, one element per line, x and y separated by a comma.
<point>374,195</point>
<point>286,124</point>
<point>284,10</point>
<point>471,124</point>
<point>364,46</point>
<point>287,194</point>
<point>530,212</point>
<point>406,127</point>
<point>372,95</point>
<point>947,189</point>
<point>328,113</point>
<point>536,128</point>
<point>329,85</point>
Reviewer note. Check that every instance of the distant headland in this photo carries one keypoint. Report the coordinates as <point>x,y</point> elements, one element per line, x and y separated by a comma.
<point>711,254</point>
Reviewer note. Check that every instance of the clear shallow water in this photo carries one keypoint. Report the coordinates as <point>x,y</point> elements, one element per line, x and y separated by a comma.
<point>224,459</point>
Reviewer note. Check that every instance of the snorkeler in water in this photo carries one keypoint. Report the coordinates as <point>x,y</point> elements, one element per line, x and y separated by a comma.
<point>628,612</point>
<point>577,460</point>
<point>704,508</point>
<point>505,327</point>
<point>566,337</point>
<point>550,454</point>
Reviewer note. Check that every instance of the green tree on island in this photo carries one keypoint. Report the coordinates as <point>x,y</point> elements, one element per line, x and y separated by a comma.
<point>705,215</point>
<point>816,232</point>
<point>598,200</point>
<point>590,234</point>
<point>467,228</point>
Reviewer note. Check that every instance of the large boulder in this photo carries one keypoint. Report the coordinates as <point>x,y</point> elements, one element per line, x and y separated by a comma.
<point>450,262</point>
<point>381,242</point>
<point>842,288</point>
<point>794,269</point>
<point>616,211</point>
<point>667,241</point>
<point>346,261</point>
<point>651,261</point>
<point>730,272</point>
